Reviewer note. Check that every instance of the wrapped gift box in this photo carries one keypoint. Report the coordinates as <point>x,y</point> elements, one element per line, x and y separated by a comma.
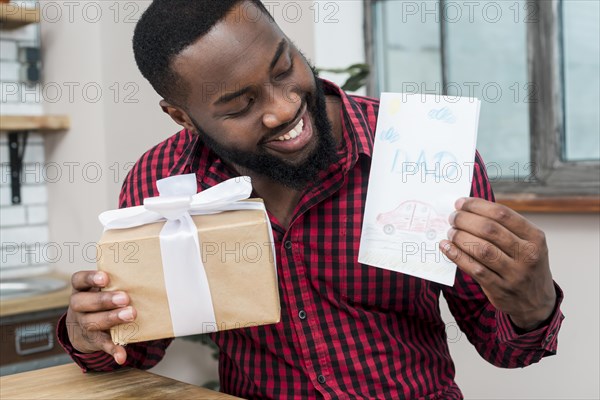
<point>237,253</point>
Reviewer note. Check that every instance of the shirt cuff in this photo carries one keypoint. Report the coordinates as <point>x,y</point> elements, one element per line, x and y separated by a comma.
<point>97,361</point>
<point>541,338</point>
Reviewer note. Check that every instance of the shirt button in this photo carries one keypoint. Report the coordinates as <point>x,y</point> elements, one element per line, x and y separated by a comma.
<point>549,337</point>
<point>302,314</point>
<point>321,379</point>
<point>288,244</point>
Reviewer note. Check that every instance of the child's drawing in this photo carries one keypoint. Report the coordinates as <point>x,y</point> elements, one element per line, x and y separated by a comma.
<point>443,114</point>
<point>413,216</point>
<point>422,163</point>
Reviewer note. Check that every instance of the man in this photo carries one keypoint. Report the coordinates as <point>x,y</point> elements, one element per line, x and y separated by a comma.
<point>250,104</point>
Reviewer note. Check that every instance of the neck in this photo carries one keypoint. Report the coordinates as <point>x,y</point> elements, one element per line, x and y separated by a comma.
<point>279,200</point>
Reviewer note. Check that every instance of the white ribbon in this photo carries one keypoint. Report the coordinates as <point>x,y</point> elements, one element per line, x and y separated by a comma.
<point>183,269</point>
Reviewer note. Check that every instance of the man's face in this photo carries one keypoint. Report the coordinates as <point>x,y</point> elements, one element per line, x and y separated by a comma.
<point>255,101</point>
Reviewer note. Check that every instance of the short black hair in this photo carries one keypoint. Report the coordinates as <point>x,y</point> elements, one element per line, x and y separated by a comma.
<point>169,26</point>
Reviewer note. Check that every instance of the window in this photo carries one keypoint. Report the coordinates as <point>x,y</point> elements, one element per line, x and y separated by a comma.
<point>535,66</point>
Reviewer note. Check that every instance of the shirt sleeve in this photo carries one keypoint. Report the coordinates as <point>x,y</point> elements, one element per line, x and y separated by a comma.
<point>143,355</point>
<point>491,331</point>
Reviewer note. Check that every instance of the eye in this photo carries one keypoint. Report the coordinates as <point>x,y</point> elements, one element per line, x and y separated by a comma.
<point>287,72</point>
<point>243,110</point>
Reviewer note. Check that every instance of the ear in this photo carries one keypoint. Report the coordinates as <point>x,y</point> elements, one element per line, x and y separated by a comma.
<point>178,115</point>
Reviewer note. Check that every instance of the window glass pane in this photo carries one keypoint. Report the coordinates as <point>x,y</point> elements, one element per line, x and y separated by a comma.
<point>407,47</point>
<point>581,37</point>
<point>486,56</point>
<point>484,49</point>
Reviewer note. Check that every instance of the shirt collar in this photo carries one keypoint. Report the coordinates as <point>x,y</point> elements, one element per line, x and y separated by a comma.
<point>355,124</point>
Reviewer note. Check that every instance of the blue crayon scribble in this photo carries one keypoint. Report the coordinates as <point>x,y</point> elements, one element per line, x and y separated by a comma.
<point>443,114</point>
<point>390,135</point>
<point>442,165</point>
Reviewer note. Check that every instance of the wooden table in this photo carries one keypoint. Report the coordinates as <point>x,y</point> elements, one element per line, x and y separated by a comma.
<point>68,382</point>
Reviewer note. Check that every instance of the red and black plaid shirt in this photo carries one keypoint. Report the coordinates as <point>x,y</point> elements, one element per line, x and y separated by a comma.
<point>347,330</point>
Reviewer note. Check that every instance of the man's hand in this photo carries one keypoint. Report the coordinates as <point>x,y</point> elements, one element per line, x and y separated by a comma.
<point>92,313</point>
<point>507,255</point>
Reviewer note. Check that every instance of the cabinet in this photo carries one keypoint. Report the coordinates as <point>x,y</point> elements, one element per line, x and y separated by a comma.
<point>27,329</point>
<point>29,341</point>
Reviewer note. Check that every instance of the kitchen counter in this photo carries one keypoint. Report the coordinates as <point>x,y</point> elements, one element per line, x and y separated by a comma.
<point>68,382</point>
<point>41,302</point>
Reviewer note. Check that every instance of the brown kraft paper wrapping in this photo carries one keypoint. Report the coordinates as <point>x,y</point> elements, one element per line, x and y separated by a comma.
<point>240,267</point>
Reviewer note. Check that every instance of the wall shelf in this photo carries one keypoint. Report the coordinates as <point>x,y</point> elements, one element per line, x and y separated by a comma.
<point>13,16</point>
<point>12,123</point>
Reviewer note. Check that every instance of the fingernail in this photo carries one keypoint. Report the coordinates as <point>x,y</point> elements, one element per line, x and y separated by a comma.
<point>120,299</point>
<point>126,314</point>
<point>119,359</point>
<point>451,233</point>
<point>451,218</point>
<point>99,279</point>
<point>459,203</point>
<point>445,246</point>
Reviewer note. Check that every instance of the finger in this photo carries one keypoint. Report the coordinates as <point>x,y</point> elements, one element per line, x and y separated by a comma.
<point>508,218</point>
<point>86,280</point>
<point>104,342</point>
<point>487,229</point>
<point>98,301</point>
<point>482,275</point>
<point>102,321</point>
<point>119,354</point>
<point>481,251</point>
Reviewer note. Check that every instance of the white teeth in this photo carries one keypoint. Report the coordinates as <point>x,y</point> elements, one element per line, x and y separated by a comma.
<point>293,133</point>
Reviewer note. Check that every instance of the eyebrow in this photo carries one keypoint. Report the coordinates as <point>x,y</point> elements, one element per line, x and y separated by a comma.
<point>280,48</point>
<point>230,96</point>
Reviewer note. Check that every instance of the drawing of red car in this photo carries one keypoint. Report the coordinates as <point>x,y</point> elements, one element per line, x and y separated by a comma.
<point>413,216</point>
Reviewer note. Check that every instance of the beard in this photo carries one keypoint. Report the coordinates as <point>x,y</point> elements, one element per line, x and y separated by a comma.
<point>276,169</point>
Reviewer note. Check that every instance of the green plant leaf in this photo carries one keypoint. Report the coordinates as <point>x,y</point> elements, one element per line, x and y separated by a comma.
<point>358,75</point>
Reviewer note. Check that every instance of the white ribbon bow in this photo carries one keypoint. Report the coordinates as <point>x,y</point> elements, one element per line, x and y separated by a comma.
<point>188,292</point>
<point>177,197</point>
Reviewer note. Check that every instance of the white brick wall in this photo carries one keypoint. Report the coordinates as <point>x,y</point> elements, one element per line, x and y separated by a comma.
<point>9,70</point>
<point>12,216</point>
<point>28,34</point>
<point>12,256</point>
<point>17,98</point>
<point>24,227</point>
<point>24,234</point>
<point>34,194</point>
<point>37,215</point>
<point>8,50</point>
<point>22,109</point>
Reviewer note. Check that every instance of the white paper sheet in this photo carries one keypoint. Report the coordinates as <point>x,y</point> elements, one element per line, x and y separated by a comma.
<point>423,162</point>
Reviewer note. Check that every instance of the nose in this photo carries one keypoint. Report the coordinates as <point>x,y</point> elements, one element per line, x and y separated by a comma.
<point>282,108</point>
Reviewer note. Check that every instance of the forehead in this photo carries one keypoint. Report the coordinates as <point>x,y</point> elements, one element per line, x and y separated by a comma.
<point>237,50</point>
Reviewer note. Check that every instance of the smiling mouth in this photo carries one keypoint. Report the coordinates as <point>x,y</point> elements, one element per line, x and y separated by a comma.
<point>293,133</point>
<point>296,138</point>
